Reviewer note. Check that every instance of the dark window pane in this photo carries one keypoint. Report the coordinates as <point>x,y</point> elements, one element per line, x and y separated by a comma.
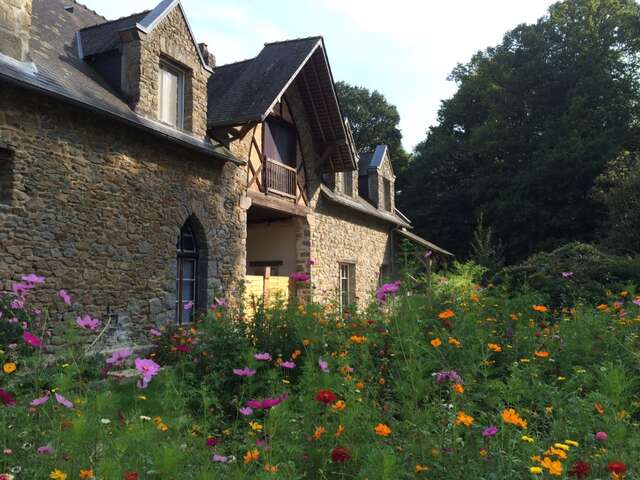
<point>280,142</point>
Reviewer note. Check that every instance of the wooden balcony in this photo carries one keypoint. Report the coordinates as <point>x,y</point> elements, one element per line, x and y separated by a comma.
<point>279,178</point>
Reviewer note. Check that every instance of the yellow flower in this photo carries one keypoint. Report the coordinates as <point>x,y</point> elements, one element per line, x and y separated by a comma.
<point>446,314</point>
<point>318,432</point>
<point>436,342</point>
<point>421,468</point>
<point>383,430</point>
<point>86,473</point>
<point>306,342</point>
<point>494,347</point>
<point>458,388</point>
<point>540,308</point>
<point>251,456</point>
<point>9,367</point>
<point>455,342</point>
<point>463,419</point>
<point>535,470</point>
<point>58,475</point>
<point>562,446</point>
<point>474,297</point>
<point>561,454</point>
<point>511,416</point>
<point>255,426</point>
<point>339,406</point>
<point>573,443</point>
<point>524,438</point>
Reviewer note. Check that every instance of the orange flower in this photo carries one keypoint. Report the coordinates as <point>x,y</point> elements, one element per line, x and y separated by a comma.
<point>296,354</point>
<point>474,297</point>
<point>455,342</point>
<point>554,467</point>
<point>360,386</point>
<point>602,307</point>
<point>86,473</point>
<point>339,406</point>
<point>446,314</point>
<point>317,434</point>
<point>458,388</point>
<point>306,342</point>
<point>340,430</point>
<point>9,367</point>
<point>436,342</point>
<point>464,419</point>
<point>599,408</point>
<point>359,339</point>
<point>494,347</point>
<point>513,317</point>
<point>270,468</point>
<point>383,430</point>
<point>540,308</point>
<point>421,468</point>
<point>541,354</point>
<point>511,416</point>
<point>251,456</point>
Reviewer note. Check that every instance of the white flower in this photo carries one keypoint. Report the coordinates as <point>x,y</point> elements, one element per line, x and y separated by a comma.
<point>105,421</point>
<point>144,418</point>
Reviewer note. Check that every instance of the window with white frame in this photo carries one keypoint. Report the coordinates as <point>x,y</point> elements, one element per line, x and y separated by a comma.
<point>171,95</point>
<point>346,181</point>
<point>347,284</point>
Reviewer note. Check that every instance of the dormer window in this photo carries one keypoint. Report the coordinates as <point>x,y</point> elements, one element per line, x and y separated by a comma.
<point>386,205</point>
<point>346,183</point>
<point>171,95</point>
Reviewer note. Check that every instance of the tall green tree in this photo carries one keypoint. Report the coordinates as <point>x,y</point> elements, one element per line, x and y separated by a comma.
<point>533,123</point>
<point>374,121</point>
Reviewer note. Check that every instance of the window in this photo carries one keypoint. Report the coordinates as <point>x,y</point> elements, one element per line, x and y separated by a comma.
<point>171,95</point>
<point>280,141</point>
<point>6,175</point>
<point>386,205</point>
<point>347,183</point>
<point>347,284</point>
<point>186,278</point>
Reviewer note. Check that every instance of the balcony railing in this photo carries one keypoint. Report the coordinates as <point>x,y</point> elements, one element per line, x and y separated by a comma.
<point>279,178</point>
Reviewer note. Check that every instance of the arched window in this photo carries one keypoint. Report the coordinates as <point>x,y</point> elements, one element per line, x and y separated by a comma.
<point>187,275</point>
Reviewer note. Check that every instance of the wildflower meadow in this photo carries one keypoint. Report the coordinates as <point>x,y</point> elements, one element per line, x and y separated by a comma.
<point>436,378</point>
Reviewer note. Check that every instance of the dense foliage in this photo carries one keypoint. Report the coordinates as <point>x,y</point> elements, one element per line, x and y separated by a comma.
<point>534,122</point>
<point>374,121</point>
<point>455,379</point>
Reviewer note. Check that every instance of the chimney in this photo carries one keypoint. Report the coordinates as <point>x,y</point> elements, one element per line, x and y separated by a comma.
<point>209,58</point>
<point>15,23</point>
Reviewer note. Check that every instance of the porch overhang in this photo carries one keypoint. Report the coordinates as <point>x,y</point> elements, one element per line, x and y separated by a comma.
<point>274,203</point>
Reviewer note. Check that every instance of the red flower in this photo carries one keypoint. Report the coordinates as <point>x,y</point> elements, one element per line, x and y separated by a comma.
<point>183,348</point>
<point>580,469</point>
<point>326,397</point>
<point>617,467</point>
<point>340,455</point>
<point>6,398</point>
<point>131,476</point>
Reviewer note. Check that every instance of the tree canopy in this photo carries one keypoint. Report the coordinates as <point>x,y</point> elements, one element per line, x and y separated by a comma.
<point>534,122</point>
<point>374,121</point>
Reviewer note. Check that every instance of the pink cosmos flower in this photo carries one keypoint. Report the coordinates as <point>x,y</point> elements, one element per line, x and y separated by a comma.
<point>567,274</point>
<point>263,357</point>
<point>324,366</point>
<point>188,305</point>
<point>428,253</point>
<point>246,411</point>
<point>219,303</point>
<point>31,339</point>
<point>17,303</point>
<point>7,451</point>
<point>302,277</point>
<point>387,289</point>
<point>33,278</point>
<point>64,295</point>
<point>6,398</point>
<point>489,431</point>
<point>46,450</point>
<point>63,401</point>
<point>601,436</point>
<point>288,365</point>
<point>119,356</point>
<point>311,262</point>
<point>21,289</point>
<point>637,301</point>
<point>244,372</point>
<point>267,403</point>
<point>219,458</point>
<point>88,323</point>
<point>148,369</point>
<point>36,402</point>
<point>154,332</point>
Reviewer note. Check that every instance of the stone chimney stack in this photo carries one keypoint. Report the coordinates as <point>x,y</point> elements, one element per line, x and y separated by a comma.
<point>15,24</point>
<point>209,58</point>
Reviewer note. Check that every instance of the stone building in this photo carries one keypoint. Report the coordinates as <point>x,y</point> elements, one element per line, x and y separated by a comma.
<point>140,176</point>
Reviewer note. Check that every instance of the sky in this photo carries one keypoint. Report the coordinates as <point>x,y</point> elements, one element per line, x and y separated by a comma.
<point>405,49</point>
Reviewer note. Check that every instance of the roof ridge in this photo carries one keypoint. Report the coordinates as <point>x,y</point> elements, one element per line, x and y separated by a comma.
<point>115,20</point>
<point>234,63</point>
<point>299,39</point>
<point>89,9</point>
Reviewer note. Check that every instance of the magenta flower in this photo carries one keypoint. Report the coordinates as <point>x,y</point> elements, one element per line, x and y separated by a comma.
<point>212,441</point>
<point>64,295</point>
<point>88,323</point>
<point>119,356</point>
<point>288,365</point>
<point>324,366</point>
<point>33,279</point>
<point>148,369</point>
<point>63,401</point>
<point>489,431</point>
<point>219,303</point>
<point>428,253</point>
<point>246,411</point>
<point>244,372</point>
<point>31,339</point>
<point>6,398</point>
<point>17,303</point>
<point>21,289</point>
<point>637,301</point>
<point>219,458</point>
<point>154,332</point>
<point>46,450</point>
<point>36,402</point>
<point>188,305</point>
<point>267,403</point>
<point>451,375</point>
<point>601,436</point>
<point>263,357</point>
<point>567,274</point>
<point>386,290</point>
<point>302,277</point>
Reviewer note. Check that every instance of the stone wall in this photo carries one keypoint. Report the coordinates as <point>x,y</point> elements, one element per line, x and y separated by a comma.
<point>97,209</point>
<point>169,40</point>
<point>15,23</point>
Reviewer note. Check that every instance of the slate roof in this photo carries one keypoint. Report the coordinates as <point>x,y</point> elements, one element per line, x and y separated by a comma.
<point>58,71</point>
<point>371,160</point>
<point>104,36</point>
